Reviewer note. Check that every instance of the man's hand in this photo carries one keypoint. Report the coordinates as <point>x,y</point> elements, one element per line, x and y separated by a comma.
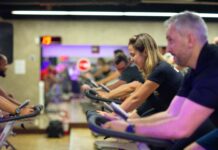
<point>85,87</point>
<point>26,111</point>
<point>103,94</point>
<point>117,125</point>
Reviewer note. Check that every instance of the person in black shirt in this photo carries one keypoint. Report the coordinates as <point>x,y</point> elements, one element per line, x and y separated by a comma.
<point>160,77</point>
<point>128,71</point>
<point>169,81</point>
<point>198,97</point>
<point>130,78</point>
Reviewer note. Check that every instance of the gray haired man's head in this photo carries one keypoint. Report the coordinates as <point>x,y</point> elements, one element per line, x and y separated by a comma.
<point>190,21</point>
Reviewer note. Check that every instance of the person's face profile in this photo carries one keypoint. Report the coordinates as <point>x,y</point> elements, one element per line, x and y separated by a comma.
<point>3,67</point>
<point>121,66</point>
<point>178,45</point>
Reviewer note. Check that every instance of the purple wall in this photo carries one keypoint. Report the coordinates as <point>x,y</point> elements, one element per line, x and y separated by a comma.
<point>57,50</point>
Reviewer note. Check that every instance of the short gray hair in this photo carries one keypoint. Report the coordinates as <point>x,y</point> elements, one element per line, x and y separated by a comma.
<point>191,21</point>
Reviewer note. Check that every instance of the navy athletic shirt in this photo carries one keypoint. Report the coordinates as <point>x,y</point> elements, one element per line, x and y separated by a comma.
<point>201,86</point>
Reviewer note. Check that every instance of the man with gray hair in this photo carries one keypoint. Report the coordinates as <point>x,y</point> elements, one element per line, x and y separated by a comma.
<point>197,98</point>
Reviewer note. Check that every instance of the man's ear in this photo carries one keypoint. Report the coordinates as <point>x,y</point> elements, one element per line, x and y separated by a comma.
<point>191,39</point>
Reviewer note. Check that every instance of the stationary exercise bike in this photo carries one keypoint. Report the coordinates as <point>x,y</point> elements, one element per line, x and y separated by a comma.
<point>206,127</point>
<point>10,121</point>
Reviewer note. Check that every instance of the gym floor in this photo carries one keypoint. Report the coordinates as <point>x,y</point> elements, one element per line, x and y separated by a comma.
<point>79,139</point>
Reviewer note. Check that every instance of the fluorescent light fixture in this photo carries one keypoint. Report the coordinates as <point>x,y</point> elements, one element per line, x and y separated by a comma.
<point>72,13</point>
<point>149,14</point>
<point>105,13</point>
<point>208,15</point>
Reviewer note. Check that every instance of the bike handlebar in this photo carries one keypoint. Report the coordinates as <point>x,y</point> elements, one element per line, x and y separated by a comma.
<point>93,95</point>
<point>95,122</point>
<point>37,110</point>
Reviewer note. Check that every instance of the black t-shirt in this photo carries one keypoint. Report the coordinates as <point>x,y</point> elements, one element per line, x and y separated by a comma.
<point>131,73</point>
<point>169,80</point>
<point>201,84</point>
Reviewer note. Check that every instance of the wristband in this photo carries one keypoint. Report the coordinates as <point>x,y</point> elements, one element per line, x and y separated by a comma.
<point>130,128</point>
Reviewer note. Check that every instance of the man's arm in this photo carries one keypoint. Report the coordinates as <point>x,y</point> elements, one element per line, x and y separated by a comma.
<point>112,76</point>
<point>10,107</point>
<point>176,125</point>
<point>4,94</point>
<point>7,106</point>
<point>179,125</point>
<point>172,110</point>
<point>116,84</point>
<point>139,96</point>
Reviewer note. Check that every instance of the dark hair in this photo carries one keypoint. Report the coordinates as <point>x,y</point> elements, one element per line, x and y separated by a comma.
<point>118,51</point>
<point>102,61</point>
<point>119,58</point>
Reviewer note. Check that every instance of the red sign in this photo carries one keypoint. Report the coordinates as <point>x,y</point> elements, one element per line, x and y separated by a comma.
<point>83,64</point>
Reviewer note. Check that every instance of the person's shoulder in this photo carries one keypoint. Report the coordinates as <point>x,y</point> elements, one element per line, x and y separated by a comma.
<point>132,67</point>
<point>163,65</point>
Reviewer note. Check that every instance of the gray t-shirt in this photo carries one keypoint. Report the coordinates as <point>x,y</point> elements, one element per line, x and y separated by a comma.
<point>131,73</point>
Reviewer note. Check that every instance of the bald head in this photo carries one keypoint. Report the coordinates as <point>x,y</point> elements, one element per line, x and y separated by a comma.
<point>3,57</point>
<point>3,65</point>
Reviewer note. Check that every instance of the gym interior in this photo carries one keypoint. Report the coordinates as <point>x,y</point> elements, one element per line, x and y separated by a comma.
<point>54,48</point>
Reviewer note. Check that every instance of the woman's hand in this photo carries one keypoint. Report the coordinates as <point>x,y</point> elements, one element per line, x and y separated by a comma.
<point>133,115</point>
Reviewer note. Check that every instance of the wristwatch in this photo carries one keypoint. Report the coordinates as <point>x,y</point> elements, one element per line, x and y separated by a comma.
<point>17,111</point>
<point>130,128</point>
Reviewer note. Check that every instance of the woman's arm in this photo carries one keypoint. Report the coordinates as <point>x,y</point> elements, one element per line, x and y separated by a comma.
<point>123,90</point>
<point>139,96</point>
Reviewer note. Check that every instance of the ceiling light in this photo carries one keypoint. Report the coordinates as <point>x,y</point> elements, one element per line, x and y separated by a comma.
<point>105,13</point>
